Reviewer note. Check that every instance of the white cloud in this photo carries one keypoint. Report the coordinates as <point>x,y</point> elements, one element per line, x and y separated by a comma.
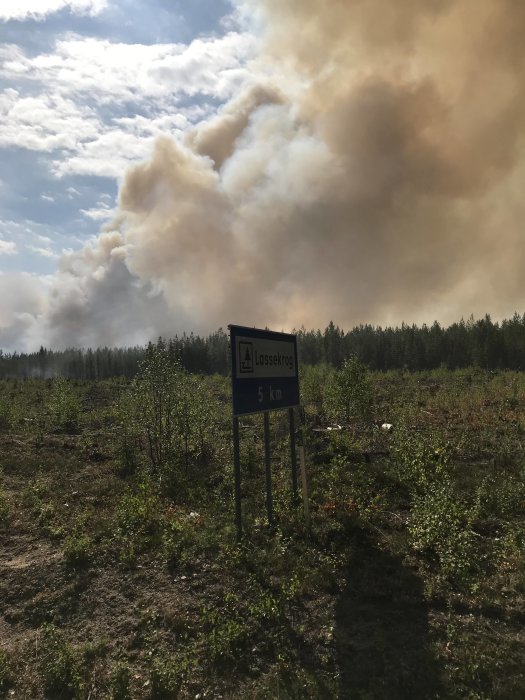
<point>40,245</point>
<point>107,155</point>
<point>114,72</point>
<point>44,252</point>
<point>101,213</point>
<point>84,138</point>
<point>7,247</point>
<point>39,9</point>
<point>156,126</point>
<point>27,236</point>
<point>45,122</point>
<point>11,53</point>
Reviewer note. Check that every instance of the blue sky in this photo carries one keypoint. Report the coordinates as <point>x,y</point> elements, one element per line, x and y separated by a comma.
<point>85,88</point>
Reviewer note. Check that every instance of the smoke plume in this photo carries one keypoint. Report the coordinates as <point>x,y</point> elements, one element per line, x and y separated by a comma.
<point>379,178</point>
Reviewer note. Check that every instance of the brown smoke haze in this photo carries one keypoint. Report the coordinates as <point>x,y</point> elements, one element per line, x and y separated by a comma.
<point>375,175</point>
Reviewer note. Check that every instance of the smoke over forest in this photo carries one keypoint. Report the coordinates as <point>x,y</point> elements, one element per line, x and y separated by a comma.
<point>373,172</point>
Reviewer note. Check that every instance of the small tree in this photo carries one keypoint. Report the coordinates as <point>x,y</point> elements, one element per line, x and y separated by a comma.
<point>314,380</point>
<point>174,413</point>
<point>154,394</point>
<point>63,406</point>
<point>349,395</point>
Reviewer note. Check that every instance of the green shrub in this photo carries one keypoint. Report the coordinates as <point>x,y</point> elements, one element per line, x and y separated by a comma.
<point>501,497</point>
<point>128,455</point>
<point>151,405</point>
<point>120,682</point>
<point>236,624</point>
<point>137,524</point>
<point>418,461</point>
<point>7,672</point>
<point>349,394</point>
<point>6,413</point>
<point>58,666</point>
<point>67,670</point>
<point>64,406</point>
<point>313,381</point>
<point>46,513</point>
<point>440,524</point>
<point>173,414</point>
<point>77,551</point>
<point>5,508</point>
<point>166,677</point>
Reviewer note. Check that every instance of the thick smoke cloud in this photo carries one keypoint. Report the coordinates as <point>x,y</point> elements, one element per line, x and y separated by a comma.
<point>381,180</point>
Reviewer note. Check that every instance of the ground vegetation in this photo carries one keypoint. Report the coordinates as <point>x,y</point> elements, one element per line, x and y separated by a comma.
<point>121,575</point>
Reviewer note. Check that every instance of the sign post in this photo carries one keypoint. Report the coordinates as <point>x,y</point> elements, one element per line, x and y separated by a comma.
<point>268,468</point>
<point>305,486</point>
<point>293,455</point>
<point>237,477</point>
<point>264,378</point>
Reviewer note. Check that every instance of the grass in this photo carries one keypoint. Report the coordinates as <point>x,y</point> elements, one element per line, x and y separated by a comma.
<point>123,579</point>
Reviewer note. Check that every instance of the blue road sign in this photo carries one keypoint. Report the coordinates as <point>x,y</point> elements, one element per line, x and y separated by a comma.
<point>264,370</point>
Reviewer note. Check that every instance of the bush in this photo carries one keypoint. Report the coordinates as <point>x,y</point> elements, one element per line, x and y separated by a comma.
<point>502,497</point>
<point>77,551</point>
<point>67,670</point>
<point>119,683</point>
<point>349,394</point>
<point>174,414</point>
<point>419,461</point>
<point>64,406</point>
<point>138,523</point>
<point>5,508</point>
<point>313,381</point>
<point>440,524</point>
<point>7,673</point>
<point>166,678</point>
<point>5,413</point>
<point>58,665</point>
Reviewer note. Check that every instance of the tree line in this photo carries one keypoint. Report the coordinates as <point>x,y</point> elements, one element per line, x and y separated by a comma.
<point>482,343</point>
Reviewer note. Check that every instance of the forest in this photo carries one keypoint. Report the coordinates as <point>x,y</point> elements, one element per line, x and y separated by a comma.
<point>472,343</point>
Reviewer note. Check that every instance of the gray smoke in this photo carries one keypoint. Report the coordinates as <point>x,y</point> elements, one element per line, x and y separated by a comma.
<point>380,181</point>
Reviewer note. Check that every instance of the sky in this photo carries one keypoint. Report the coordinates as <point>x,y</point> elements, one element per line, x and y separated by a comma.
<point>85,87</point>
<point>178,165</point>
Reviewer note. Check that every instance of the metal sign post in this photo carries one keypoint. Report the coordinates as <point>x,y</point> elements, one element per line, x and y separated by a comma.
<point>268,468</point>
<point>237,477</point>
<point>264,378</point>
<point>305,488</point>
<point>293,455</point>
